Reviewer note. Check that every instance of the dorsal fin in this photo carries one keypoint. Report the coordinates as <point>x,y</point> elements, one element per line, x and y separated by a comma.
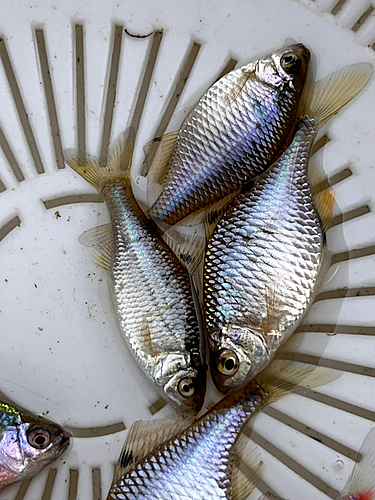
<point>143,438</point>
<point>159,154</point>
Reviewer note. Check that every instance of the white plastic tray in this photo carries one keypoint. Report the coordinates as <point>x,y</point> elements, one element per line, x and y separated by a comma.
<point>61,350</point>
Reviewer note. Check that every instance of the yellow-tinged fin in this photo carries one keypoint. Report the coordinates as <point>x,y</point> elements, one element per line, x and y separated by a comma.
<point>159,154</point>
<point>188,247</point>
<point>282,376</point>
<point>323,197</point>
<point>247,471</point>
<point>187,239</point>
<point>100,239</point>
<point>362,478</point>
<point>331,93</point>
<point>117,168</point>
<point>143,438</point>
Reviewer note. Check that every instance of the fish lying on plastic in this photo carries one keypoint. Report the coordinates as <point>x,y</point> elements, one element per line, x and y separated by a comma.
<point>155,306</point>
<point>28,444</point>
<point>267,256</point>
<point>197,463</point>
<point>238,128</point>
<point>361,482</point>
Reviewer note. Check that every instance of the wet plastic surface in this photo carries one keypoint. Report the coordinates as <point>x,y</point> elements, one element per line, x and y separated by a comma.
<point>69,76</point>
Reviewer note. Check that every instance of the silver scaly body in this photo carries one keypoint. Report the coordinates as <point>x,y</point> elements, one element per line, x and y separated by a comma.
<point>155,307</point>
<point>262,265</point>
<point>238,128</point>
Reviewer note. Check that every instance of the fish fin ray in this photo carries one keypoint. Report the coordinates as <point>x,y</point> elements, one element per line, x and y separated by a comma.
<point>362,477</point>
<point>145,437</point>
<point>215,211</point>
<point>116,169</point>
<point>285,375</point>
<point>246,469</point>
<point>331,93</point>
<point>100,239</point>
<point>237,87</point>
<point>188,248</point>
<point>160,157</point>
<point>324,199</point>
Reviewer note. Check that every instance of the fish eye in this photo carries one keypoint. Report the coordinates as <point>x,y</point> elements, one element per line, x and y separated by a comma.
<point>290,62</point>
<point>38,438</point>
<point>227,362</point>
<point>186,387</point>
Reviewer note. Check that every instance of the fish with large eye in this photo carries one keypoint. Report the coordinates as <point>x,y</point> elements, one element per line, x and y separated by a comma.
<point>39,437</point>
<point>151,289</point>
<point>267,255</point>
<point>238,128</point>
<point>291,62</point>
<point>27,444</point>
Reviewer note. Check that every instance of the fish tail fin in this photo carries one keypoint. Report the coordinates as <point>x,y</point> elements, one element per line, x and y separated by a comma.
<point>284,374</point>
<point>116,169</point>
<point>361,482</point>
<point>331,93</point>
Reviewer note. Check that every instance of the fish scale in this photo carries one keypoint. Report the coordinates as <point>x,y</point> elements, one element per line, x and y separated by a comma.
<point>174,471</point>
<point>226,141</point>
<point>155,308</point>
<point>263,259</point>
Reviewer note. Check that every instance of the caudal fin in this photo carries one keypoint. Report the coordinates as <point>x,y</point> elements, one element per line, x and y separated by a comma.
<point>117,168</point>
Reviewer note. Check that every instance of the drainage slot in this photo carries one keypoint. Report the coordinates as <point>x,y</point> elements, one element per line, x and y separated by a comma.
<point>362,19</point>
<point>48,90</point>
<point>80,90</point>
<point>74,198</point>
<point>88,432</point>
<point>22,113</point>
<point>49,484</point>
<point>352,214</point>
<point>9,226</point>
<point>111,93</point>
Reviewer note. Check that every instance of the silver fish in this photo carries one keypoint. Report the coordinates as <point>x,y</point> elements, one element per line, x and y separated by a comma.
<point>238,128</point>
<point>198,462</point>
<point>264,260</point>
<point>361,482</point>
<point>28,444</point>
<point>155,306</point>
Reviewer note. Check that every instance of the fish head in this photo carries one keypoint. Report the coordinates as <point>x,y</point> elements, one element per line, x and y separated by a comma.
<point>29,444</point>
<point>285,68</point>
<point>182,380</point>
<point>237,354</point>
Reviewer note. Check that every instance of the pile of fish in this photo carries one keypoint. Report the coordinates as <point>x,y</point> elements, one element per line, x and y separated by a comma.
<point>223,266</point>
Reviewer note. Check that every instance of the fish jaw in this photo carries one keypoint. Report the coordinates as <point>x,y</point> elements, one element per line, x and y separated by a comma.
<point>237,354</point>
<point>182,381</point>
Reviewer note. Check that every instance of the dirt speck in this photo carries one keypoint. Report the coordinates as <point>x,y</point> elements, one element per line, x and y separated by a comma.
<point>40,328</point>
<point>57,215</point>
<point>35,285</point>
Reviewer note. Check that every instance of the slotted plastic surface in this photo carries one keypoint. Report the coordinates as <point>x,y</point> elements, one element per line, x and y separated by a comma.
<point>72,77</point>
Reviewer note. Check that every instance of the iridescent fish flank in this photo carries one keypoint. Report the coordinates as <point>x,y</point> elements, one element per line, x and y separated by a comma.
<point>199,462</point>
<point>28,444</point>
<point>152,292</point>
<point>266,257</point>
<point>238,128</point>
